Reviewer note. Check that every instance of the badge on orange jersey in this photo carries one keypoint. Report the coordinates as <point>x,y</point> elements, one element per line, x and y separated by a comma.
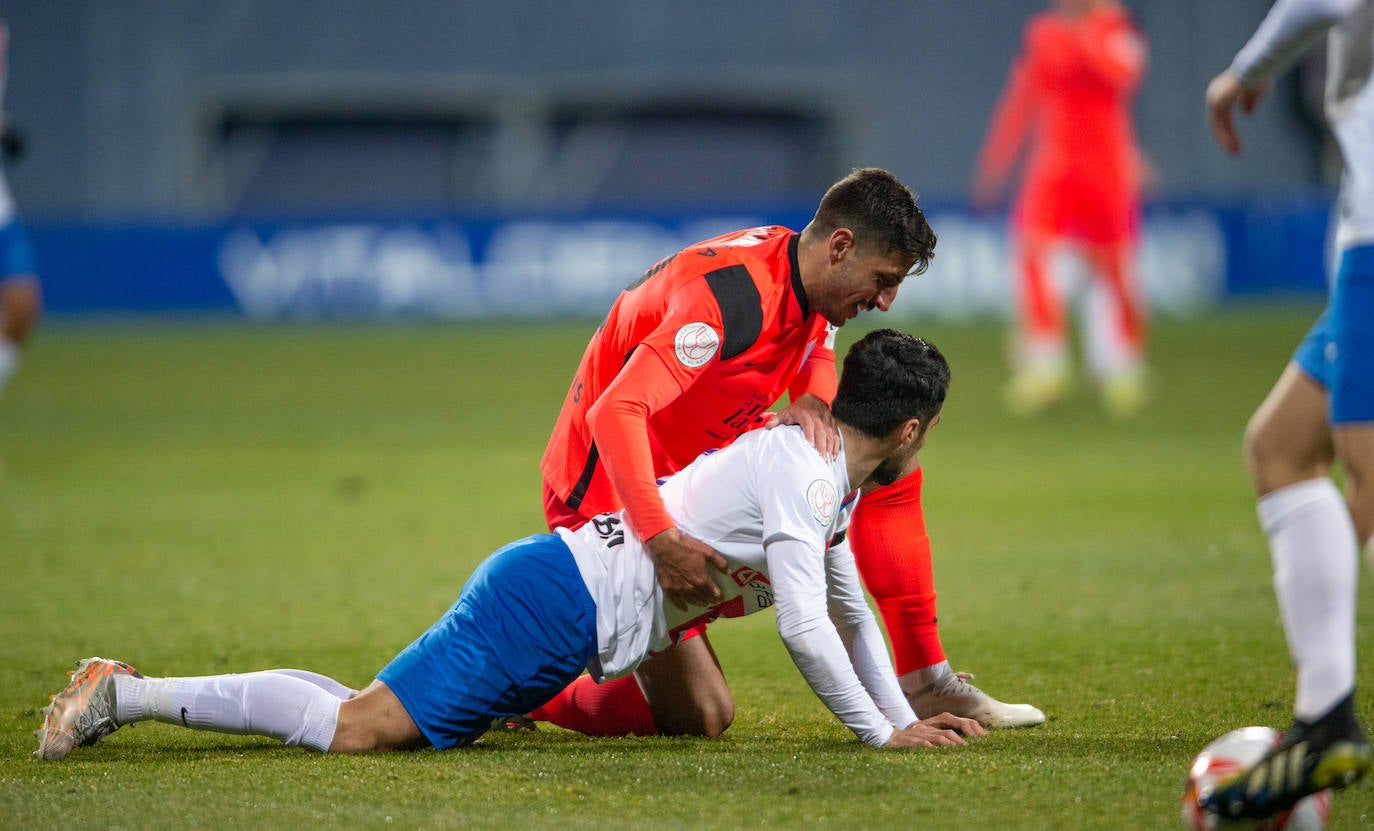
<point>695,344</point>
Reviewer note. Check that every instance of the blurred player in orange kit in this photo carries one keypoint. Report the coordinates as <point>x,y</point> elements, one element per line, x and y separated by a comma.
<point>1070,91</point>
<point>690,356</point>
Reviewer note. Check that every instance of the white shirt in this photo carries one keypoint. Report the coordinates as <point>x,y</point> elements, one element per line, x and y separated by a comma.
<point>774,509</point>
<point>1287,31</point>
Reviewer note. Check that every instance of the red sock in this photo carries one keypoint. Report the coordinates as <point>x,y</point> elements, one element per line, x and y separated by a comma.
<point>615,708</point>
<point>891,547</point>
<point>1041,310</point>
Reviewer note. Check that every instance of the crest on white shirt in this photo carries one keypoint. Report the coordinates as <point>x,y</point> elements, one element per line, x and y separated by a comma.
<point>823,499</point>
<point>695,344</point>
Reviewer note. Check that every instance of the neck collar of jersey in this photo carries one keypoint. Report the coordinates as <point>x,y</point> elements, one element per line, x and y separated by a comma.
<point>797,288</point>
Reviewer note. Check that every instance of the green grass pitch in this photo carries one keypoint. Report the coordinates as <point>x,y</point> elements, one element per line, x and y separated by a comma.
<point>209,497</point>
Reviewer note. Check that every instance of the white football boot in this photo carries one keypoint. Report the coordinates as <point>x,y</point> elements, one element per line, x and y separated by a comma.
<point>938,689</point>
<point>83,713</point>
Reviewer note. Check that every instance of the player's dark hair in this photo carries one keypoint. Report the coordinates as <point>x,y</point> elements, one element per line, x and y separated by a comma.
<point>889,377</point>
<point>881,211</point>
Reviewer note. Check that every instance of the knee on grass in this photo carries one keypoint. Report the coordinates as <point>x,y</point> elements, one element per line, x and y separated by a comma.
<point>709,718</point>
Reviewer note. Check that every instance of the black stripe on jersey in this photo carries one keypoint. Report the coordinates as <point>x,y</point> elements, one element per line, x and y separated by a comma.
<point>741,308</point>
<point>579,491</point>
<point>797,287</point>
<point>651,272</point>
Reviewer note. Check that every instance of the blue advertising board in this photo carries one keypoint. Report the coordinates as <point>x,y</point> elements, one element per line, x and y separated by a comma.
<point>1192,256</point>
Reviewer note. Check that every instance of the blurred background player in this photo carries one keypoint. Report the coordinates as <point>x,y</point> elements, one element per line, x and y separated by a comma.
<point>1070,93</point>
<point>19,291</point>
<point>1320,410</point>
<point>689,357</point>
<point>540,609</point>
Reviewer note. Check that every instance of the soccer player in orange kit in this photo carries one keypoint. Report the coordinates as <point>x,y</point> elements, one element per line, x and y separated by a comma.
<point>1070,91</point>
<point>693,354</point>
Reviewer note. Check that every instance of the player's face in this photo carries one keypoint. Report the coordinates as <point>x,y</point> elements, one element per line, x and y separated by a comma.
<point>861,282</point>
<point>904,460</point>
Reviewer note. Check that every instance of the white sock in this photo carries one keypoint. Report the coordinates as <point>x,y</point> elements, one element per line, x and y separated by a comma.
<point>1316,565</point>
<point>273,703</point>
<point>9,359</point>
<point>1047,354</point>
<point>918,679</point>
<point>1106,350</point>
<point>343,692</point>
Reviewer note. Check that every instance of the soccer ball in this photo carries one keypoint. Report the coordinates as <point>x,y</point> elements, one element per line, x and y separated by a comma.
<point>1228,754</point>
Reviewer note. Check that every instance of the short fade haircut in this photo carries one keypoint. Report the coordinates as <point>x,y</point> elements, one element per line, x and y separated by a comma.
<point>889,377</point>
<point>882,212</point>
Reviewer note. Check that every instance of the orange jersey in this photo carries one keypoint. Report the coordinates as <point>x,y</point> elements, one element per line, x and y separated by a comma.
<point>1071,90</point>
<point>691,355</point>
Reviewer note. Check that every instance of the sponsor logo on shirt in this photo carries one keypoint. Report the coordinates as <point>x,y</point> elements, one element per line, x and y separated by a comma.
<point>744,575</point>
<point>823,499</point>
<point>695,344</point>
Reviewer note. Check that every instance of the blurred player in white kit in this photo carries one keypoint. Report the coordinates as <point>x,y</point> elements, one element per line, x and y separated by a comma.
<point>20,297</point>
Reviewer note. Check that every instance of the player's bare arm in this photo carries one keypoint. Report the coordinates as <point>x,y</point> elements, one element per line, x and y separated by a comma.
<point>681,563</point>
<point>813,415</point>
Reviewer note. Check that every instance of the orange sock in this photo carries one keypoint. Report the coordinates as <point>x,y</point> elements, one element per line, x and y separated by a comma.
<point>891,547</point>
<point>1041,309</point>
<point>615,708</point>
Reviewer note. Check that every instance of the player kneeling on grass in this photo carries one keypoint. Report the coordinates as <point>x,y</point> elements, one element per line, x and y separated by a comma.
<point>540,610</point>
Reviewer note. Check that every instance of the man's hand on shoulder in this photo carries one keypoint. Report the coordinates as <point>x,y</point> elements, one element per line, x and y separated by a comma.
<point>937,731</point>
<point>817,422</point>
<point>680,562</point>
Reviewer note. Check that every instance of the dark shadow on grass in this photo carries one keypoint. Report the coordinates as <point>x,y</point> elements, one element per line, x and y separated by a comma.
<point>1049,744</point>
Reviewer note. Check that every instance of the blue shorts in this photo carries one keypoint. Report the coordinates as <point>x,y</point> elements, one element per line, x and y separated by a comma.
<point>1338,352</point>
<point>522,629</point>
<point>16,252</point>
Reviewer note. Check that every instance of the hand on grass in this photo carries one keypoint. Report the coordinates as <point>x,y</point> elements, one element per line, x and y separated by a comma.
<point>937,731</point>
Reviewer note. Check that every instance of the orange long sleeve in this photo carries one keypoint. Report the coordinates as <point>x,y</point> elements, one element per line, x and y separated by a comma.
<point>817,376</point>
<point>1008,129</point>
<point>619,423</point>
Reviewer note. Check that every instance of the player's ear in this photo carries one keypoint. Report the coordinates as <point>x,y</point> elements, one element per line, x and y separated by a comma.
<point>910,431</point>
<point>841,244</point>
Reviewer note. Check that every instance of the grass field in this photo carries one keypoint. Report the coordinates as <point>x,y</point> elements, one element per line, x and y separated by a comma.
<point>202,498</point>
